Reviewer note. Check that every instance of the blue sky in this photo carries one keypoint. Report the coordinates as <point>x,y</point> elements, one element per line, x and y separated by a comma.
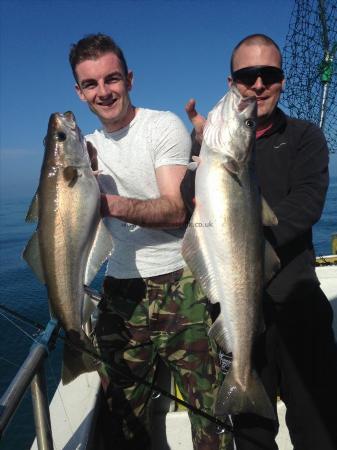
<point>177,50</point>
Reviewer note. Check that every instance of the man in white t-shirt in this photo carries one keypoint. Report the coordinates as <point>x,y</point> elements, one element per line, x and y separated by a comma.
<point>152,307</point>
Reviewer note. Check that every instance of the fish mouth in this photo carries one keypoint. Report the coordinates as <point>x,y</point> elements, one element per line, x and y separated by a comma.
<point>246,103</point>
<point>62,127</point>
<point>243,104</point>
<point>69,119</point>
<point>69,115</point>
<point>58,121</point>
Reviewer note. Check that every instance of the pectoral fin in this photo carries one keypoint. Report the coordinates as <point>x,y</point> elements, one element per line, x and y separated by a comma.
<point>71,175</point>
<point>221,335</point>
<point>33,210</point>
<point>268,217</point>
<point>100,250</point>
<point>31,255</point>
<point>231,165</point>
<point>89,310</point>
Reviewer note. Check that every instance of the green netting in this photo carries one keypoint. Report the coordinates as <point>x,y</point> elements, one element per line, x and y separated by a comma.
<point>310,64</point>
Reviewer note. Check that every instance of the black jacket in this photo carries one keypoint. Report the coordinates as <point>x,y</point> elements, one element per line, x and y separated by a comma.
<point>292,171</point>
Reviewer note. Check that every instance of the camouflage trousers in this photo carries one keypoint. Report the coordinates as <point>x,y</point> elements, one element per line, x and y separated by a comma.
<point>141,320</point>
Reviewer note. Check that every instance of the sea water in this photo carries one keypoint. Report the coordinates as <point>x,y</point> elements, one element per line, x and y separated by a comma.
<point>22,292</point>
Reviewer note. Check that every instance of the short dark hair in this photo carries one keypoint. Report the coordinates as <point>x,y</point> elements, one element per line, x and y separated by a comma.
<point>92,46</point>
<point>254,39</point>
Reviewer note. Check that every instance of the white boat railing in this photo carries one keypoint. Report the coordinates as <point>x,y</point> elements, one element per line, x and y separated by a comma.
<point>32,373</point>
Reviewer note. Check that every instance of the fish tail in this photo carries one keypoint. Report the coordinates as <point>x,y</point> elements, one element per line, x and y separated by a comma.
<point>76,362</point>
<point>235,399</point>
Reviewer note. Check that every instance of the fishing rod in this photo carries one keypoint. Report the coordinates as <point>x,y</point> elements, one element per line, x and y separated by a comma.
<point>25,319</point>
<point>223,426</point>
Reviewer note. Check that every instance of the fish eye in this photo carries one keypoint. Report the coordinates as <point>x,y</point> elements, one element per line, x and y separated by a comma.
<point>250,123</point>
<point>60,136</point>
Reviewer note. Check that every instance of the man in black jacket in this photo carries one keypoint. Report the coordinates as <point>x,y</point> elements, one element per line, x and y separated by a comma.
<point>296,357</point>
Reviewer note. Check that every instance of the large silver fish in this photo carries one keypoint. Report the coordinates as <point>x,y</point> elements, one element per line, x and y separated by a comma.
<point>224,246</point>
<point>70,242</point>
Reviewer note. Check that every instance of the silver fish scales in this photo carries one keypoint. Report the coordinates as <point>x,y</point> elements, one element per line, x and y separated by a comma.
<point>70,242</point>
<point>225,248</point>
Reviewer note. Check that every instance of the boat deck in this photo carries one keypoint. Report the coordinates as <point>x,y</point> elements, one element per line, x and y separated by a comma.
<point>75,420</point>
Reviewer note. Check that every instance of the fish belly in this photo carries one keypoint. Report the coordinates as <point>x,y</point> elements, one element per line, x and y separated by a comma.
<point>69,217</point>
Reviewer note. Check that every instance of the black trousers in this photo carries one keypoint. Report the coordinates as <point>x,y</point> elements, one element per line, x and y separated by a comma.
<point>296,357</point>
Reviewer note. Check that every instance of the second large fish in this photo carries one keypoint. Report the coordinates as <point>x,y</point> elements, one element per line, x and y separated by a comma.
<point>224,246</point>
<point>71,241</point>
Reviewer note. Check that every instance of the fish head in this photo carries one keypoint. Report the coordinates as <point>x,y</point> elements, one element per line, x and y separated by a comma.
<point>64,143</point>
<point>230,129</point>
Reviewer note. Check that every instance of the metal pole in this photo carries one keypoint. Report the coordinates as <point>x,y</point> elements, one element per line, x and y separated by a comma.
<point>16,390</point>
<point>324,62</point>
<point>41,411</point>
<point>327,65</point>
<point>322,18</point>
<point>323,104</point>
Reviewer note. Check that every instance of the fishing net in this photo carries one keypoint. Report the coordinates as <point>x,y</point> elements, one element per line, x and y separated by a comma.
<point>310,65</point>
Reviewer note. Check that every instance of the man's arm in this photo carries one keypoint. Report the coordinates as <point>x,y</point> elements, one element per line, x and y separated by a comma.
<point>187,187</point>
<point>167,211</point>
<point>309,179</point>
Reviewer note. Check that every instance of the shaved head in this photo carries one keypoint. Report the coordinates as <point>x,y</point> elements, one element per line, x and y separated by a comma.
<point>255,39</point>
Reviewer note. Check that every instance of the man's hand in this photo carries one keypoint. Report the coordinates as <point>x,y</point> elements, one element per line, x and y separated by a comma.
<point>92,156</point>
<point>198,121</point>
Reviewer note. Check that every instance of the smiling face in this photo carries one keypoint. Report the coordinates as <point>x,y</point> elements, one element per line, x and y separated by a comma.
<point>267,95</point>
<point>103,84</point>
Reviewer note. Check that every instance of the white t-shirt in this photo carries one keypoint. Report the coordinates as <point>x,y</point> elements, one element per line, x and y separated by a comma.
<point>128,159</point>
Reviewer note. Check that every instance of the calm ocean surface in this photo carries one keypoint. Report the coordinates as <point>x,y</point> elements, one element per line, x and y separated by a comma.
<point>22,292</point>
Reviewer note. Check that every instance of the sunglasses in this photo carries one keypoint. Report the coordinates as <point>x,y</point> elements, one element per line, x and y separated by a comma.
<point>248,75</point>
